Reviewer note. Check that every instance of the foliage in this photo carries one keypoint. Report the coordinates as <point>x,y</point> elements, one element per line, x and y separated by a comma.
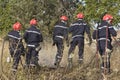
<point>95,9</point>
<point>5,18</point>
<point>47,12</point>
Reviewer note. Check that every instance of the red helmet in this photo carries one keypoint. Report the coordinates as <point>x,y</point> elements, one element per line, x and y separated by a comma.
<point>65,18</point>
<point>80,15</point>
<point>107,17</point>
<point>17,26</point>
<point>33,22</point>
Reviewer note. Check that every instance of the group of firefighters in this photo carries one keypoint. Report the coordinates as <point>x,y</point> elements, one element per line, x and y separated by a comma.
<point>33,37</point>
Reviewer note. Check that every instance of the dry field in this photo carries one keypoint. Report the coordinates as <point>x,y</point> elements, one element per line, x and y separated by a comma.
<point>87,71</point>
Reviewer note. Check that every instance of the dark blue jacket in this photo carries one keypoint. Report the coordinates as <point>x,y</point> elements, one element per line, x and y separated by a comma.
<point>15,39</point>
<point>60,31</point>
<point>33,36</point>
<point>78,29</point>
<point>101,31</point>
<point>14,35</point>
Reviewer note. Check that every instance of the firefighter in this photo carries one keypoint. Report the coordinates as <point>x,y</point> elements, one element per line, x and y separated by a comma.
<point>103,35</point>
<point>60,33</point>
<point>78,28</point>
<point>16,47</point>
<point>32,37</point>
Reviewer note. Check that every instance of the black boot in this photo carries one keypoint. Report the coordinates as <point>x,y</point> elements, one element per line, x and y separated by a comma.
<point>108,67</point>
<point>57,63</point>
<point>15,65</point>
<point>102,67</point>
<point>80,61</point>
<point>26,66</point>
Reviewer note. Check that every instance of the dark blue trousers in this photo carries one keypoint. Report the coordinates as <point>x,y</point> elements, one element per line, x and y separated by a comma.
<point>101,47</point>
<point>32,56</point>
<point>60,48</point>
<point>77,42</point>
<point>16,55</point>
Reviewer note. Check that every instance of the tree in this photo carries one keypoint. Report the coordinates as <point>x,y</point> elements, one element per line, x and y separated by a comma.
<point>5,18</point>
<point>48,12</point>
<point>95,9</point>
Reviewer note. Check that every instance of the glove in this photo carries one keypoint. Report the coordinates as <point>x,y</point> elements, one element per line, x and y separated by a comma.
<point>108,50</point>
<point>38,48</point>
<point>53,44</point>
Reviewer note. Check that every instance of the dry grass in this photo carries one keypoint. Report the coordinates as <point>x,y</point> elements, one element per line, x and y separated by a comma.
<point>87,71</point>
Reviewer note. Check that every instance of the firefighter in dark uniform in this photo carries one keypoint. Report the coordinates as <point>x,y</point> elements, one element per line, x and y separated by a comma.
<point>16,47</point>
<point>78,29</point>
<point>60,33</point>
<point>103,35</point>
<point>32,37</point>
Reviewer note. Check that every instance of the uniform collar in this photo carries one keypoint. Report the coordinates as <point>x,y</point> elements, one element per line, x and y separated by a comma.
<point>107,22</point>
<point>16,31</point>
<point>63,21</point>
<point>80,19</point>
<point>33,26</point>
